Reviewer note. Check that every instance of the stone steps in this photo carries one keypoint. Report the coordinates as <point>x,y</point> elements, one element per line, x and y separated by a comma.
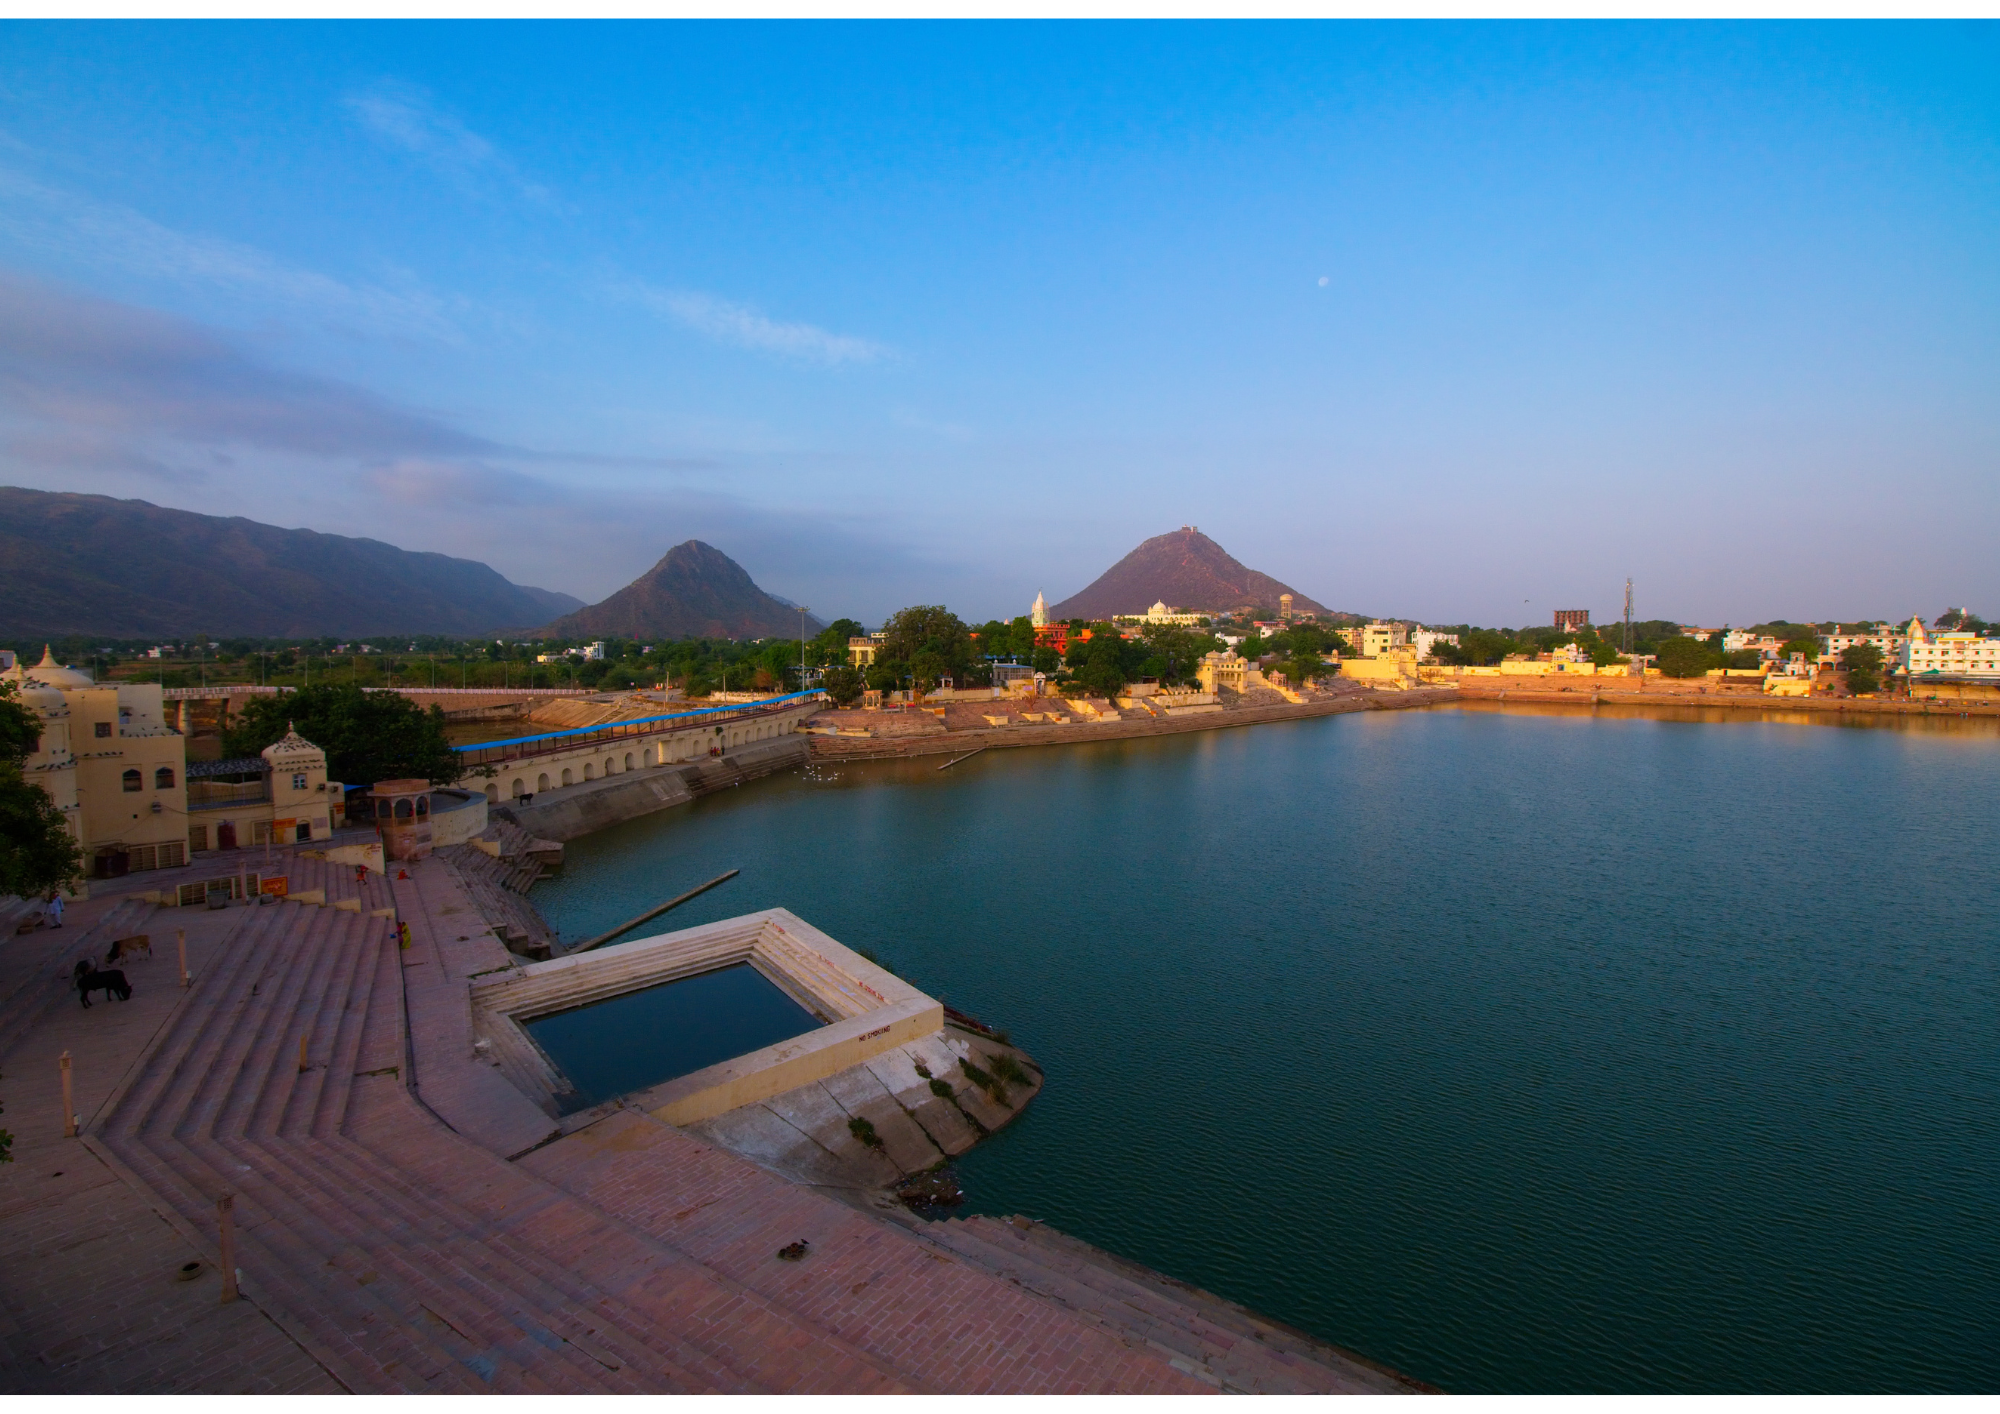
<point>1224,1343</point>
<point>449,1301</point>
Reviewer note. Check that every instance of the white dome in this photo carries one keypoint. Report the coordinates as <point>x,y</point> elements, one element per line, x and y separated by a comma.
<point>53,674</point>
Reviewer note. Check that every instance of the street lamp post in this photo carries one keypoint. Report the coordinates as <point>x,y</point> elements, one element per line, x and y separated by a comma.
<point>802,648</point>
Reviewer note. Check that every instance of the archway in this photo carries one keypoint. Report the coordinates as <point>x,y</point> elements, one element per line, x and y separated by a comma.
<point>542,781</point>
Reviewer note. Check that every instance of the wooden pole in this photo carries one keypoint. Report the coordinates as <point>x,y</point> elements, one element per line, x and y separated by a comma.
<point>602,938</point>
<point>69,1105</point>
<point>181,941</point>
<point>303,1067</point>
<point>225,1215</point>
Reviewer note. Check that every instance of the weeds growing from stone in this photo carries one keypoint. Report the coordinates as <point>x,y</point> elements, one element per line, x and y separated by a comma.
<point>864,1131</point>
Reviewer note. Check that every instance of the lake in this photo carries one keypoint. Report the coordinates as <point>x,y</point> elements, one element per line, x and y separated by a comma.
<point>1522,1049</point>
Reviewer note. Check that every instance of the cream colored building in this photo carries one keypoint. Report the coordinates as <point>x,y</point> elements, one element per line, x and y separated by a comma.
<point>1161,614</point>
<point>861,652</point>
<point>1228,669</point>
<point>118,772</point>
<point>280,796</point>
<point>1953,654</point>
<point>111,764</point>
<point>1378,638</point>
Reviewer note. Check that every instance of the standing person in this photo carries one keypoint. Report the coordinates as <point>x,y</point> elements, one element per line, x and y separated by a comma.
<point>55,908</point>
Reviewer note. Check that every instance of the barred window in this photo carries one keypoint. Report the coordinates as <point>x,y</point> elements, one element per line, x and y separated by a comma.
<point>134,781</point>
<point>163,779</point>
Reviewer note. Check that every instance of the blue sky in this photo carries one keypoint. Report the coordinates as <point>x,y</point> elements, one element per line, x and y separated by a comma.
<point>1459,322</point>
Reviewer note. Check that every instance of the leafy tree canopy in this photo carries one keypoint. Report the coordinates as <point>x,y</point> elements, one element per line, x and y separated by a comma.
<point>367,736</point>
<point>1683,657</point>
<point>36,851</point>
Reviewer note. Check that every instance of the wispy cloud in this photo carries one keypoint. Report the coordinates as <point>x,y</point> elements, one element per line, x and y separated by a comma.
<point>405,117</point>
<point>92,366</point>
<point>77,229</point>
<point>747,328</point>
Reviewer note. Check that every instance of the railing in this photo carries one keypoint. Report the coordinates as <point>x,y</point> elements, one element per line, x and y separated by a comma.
<point>219,795</point>
<point>516,748</point>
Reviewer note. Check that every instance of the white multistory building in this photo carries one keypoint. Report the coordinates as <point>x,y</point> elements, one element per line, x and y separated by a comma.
<point>1957,655</point>
<point>1426,639</point>
<point>1891,641</point>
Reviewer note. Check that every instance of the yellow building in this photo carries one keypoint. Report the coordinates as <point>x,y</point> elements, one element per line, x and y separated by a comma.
<point>1378,638</point>
<point>119,774</point>
<point>279,796</point>
<point>112,765</point>
<point>861,652</point>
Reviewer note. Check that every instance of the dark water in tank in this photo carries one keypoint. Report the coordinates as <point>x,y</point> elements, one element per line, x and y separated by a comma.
<point>655,1034</point>
<point>1522,1050</point>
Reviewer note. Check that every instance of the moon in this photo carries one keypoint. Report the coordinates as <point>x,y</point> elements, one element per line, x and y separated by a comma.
<point>1322,282</point>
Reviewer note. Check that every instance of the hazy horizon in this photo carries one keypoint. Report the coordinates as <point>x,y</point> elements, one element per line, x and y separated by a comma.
<point>1461,323</point>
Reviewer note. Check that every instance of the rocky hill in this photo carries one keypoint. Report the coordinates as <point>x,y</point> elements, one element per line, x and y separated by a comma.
<point>695,591</point>
<point>1184,569</point>
<point>75,564</point>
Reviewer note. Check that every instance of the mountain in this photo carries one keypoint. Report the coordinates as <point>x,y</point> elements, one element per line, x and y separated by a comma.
<point>93,565</point>
<point>1185,570</point>
<point>695,591</point>
<point>553,602</point>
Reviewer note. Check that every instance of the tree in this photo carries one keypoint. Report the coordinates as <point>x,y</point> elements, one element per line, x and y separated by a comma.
<point>1863,662</point>
<point>1806,644</point>
<point>926,641</point>
<point>842,685</point>
<point>1603,654</point>
<point>1684,657</point>
<point>367,736</point>
<point>37,853</point>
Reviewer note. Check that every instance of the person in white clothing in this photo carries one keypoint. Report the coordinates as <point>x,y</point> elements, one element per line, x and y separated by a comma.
<point>54,909</point>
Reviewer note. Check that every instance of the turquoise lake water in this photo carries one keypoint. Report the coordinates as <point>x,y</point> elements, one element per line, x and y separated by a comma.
<point>1522,1050</point>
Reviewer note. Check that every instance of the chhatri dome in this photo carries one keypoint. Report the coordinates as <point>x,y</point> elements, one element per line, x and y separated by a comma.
<point>50,673</point>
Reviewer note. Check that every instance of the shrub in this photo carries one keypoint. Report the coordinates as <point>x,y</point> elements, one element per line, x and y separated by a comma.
<point>864,1131</point>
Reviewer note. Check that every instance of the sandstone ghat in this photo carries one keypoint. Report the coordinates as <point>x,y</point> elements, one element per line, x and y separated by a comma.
<point>1656,692</point>
<point>955,736</point>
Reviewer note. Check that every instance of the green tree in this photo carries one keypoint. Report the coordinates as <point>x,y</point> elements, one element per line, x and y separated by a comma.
<point>1807,644</point>
<point>1684,657</point>
<point>1603,654</point>
<point>37,853</point>
<point>842,684</point>
<point>367,736</point>
<point>927,641</point>
<point>1863,662</point>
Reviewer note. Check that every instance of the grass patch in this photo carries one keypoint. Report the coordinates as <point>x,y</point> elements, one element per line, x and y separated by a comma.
<point>864,1131</point>
<point>941,1089</point>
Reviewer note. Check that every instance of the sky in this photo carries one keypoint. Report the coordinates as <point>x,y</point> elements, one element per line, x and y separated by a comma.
<point>1456,322</point>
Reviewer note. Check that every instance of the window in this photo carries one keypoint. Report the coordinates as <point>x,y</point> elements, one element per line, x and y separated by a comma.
<point>134,781</point>
<point>101,728</point>
<point>298,780</point>
<point>163,779</point>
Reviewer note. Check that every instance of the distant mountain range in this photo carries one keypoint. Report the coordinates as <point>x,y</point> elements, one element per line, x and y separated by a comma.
<point>1183,569</point>
<point>695,591</point>
<point>74,564</point>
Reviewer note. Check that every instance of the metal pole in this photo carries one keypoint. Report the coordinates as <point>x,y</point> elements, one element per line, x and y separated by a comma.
<point>69,1105</point>
<point>225,1217</point>
<point>181,941</point>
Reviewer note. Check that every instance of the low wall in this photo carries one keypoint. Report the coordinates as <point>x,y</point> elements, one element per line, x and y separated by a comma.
<point>570,811</point>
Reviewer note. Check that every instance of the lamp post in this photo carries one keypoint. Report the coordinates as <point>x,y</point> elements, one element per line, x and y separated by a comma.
<point>802,648</point>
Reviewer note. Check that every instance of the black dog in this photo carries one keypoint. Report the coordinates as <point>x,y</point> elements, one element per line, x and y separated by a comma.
<point>112,983</point>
